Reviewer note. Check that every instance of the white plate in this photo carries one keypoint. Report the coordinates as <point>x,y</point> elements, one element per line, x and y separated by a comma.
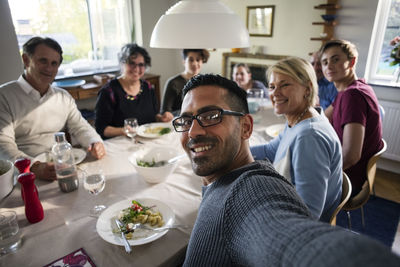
<point>274,130</point>
<point>106,222</point>
<point>79,156</point>
<point>146,127</point>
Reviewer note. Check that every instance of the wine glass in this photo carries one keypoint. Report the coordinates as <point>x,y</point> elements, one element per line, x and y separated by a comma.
<point>130,127</point>
<point>95,183</point>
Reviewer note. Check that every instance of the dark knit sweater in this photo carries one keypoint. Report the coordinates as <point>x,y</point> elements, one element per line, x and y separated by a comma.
<point>254,217</point>
<point>172,100</point>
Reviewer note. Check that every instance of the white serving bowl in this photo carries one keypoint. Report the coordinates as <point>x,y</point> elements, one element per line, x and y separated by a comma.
<point>154,174</point>
<point>6,177</point>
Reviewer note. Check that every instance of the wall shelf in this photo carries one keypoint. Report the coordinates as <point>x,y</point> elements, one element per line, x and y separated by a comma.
<point>326,23</point>
<point>329,26</point>
<point>320,39</point>
<point>327,6</point>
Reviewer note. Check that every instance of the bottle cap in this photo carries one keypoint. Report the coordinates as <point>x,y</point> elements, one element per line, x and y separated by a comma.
<point>59,137</point>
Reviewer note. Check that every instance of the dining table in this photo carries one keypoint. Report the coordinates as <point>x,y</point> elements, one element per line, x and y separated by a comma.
<point>67,225</point>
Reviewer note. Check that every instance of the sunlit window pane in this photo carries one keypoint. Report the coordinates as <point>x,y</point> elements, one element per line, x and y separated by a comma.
<point>392,30</point>
<point>91,32</point>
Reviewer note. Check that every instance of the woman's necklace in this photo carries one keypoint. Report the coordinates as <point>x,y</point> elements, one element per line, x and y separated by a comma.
<point>129,88</point>
<point>300,117</point>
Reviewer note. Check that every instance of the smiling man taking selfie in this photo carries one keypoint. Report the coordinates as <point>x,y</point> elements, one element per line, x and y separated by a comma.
<point>250,215</point>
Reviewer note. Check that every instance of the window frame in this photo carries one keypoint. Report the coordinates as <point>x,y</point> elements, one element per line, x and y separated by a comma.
<point>134,25</point>
<point>375,48</point>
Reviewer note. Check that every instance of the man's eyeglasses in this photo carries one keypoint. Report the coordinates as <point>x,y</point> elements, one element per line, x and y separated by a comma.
<point>205,119</point>
<point>134,65</point>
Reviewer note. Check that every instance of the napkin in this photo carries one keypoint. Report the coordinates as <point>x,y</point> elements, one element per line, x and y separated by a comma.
<point>77,258</point>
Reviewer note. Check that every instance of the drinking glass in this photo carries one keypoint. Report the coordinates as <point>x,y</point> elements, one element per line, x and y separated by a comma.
<point>10,237</point>
<point>130,127</point>
<point>94,184</point>
<point>255,93</point>
<point>255,99</point>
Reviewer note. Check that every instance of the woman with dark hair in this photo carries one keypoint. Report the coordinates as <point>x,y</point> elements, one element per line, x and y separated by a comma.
<point>193,60</point>
<point>355,112</point>
<point>128,95</point>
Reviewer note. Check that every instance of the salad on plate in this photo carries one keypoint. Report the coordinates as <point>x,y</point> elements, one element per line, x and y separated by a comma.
<point>138,213</point>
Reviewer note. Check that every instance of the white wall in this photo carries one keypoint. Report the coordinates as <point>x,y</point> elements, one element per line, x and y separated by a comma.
<point>10,64</point>
<point>165,62</point>
<point>292,29</point>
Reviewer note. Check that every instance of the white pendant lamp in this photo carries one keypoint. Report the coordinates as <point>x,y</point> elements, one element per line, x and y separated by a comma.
<point>199,24</point>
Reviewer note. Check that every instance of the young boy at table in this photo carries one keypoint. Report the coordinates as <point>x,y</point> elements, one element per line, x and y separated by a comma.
<point>250,215</point>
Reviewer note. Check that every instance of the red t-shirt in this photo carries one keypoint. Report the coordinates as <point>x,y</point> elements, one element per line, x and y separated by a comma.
<point>358,104</point>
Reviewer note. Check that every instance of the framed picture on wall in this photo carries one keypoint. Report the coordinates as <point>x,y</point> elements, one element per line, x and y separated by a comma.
<point>260,20</point>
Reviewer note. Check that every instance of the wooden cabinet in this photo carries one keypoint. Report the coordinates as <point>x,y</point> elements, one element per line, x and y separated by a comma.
<point>87,90</point>
<point>328,26</point>
<point>91,89</point>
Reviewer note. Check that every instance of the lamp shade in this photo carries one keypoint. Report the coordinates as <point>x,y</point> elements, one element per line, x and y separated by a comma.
<point>199,24</point>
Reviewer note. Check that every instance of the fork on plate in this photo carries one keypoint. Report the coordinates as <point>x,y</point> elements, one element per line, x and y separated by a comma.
<point>173,226</point>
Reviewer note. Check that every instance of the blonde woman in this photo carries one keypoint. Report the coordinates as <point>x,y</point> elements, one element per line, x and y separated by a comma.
<point>308,151</point>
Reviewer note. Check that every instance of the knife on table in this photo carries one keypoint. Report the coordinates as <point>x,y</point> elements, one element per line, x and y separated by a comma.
<point>128,248</point>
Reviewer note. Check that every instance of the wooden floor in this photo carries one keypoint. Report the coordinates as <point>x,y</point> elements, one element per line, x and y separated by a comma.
<point>387,185</point>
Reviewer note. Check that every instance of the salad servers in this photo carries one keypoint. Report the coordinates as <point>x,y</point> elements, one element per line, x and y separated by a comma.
<point>128,248</point>
<point>170,161</point>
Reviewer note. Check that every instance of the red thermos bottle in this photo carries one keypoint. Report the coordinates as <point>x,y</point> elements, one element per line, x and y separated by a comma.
<point>23,165</point>
<point>33,208</point>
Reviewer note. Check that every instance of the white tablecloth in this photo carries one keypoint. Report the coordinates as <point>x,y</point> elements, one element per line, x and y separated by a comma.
<point>67,225</point>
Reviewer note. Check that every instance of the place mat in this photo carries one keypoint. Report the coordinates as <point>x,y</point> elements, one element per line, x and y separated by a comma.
<point>77,258</point>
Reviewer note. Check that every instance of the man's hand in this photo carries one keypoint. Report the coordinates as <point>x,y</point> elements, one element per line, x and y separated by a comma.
<point>44,170</point>
<point>97,150</point>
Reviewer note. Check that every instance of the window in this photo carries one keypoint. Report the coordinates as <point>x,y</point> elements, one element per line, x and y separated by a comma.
<point>91,32</point>
<point>386,27</point>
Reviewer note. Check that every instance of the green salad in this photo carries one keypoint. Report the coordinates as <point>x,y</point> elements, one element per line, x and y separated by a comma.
<point>152,163</point>
<point>138,213</point>
<point>164,131</point>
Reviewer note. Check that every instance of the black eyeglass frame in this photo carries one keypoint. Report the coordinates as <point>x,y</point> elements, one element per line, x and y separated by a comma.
<point>196,117</point>
<point>134,65</point>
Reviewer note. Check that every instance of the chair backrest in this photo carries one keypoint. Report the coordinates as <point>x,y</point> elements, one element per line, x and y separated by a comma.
<point>371,166</point>
<point>362,197</point>
<point>382,112</point>
<point>346,193</point>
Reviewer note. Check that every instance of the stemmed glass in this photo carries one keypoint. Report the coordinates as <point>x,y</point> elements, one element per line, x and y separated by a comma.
<point>130,127</point>
<point>95,183</point>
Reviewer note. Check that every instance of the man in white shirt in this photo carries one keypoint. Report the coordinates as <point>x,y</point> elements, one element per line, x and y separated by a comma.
<point>31,110</point>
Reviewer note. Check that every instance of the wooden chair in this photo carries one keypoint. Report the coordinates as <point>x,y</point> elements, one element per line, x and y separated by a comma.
<point>382,112</point>
<point>346,192</point>
<point>362,197</point>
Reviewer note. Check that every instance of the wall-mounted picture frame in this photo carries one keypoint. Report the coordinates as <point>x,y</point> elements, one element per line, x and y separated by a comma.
<point>260,20</point>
